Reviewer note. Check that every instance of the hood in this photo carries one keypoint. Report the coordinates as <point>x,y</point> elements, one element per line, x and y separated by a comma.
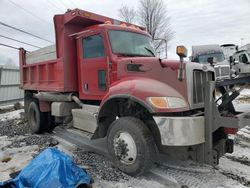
<point>173,64</point>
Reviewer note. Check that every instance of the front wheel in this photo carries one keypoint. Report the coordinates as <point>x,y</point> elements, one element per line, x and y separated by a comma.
<point>131,145</point>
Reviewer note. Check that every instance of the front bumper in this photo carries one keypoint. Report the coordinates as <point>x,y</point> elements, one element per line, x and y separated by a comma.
<point>188,131</point>
<point>181,131</point>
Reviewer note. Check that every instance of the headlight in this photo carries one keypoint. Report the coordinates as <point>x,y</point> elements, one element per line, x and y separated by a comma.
<point>167,102</point>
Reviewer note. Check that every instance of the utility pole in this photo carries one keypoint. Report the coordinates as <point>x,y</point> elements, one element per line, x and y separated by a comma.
<point>241,42</point>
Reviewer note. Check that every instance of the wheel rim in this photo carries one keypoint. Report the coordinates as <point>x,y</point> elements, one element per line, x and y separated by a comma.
<point>125,148</point>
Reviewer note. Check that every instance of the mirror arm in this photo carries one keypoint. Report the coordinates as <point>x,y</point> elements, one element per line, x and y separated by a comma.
<point>180,70</point>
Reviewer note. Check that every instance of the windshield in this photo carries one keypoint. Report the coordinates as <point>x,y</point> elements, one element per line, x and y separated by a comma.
<point>219,57</point>
<point>129,43</point>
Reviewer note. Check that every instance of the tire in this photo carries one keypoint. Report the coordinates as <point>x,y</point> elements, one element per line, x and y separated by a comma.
<point>27,100</point>
<point>131,145</point>
<point>39,121</point>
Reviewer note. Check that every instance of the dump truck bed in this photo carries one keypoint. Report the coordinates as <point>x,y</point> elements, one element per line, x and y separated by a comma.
<point>54,68</point>
<point>41,55</point>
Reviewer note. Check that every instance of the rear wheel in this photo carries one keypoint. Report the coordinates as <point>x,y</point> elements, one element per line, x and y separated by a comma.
<point>131,145</point>
<point>38,121</point>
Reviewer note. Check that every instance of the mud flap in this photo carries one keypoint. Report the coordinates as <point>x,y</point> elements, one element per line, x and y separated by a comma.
<point>229,146</point>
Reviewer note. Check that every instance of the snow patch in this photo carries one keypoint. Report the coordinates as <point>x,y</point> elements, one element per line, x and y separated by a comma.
<point>11,115</point>
<point>14,159</point>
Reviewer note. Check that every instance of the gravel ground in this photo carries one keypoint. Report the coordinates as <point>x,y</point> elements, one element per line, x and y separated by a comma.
<point>42,141</point>
<point>14,127</point>
<point>19,130</point>
<point>98,166</point>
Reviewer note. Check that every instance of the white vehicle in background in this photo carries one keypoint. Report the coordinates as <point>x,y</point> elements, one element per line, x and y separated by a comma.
<point>229,50</point>
<point>204,53</point>
<point>241,63</point>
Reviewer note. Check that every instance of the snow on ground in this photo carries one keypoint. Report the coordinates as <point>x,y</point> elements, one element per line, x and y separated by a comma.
<point>11,115</point>
<point>245,92</point>
<point>14,159</point>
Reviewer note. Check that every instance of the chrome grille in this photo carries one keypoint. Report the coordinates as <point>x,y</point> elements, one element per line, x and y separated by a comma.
<point>222,72</point>
<point>225,71</point>
<point>199,79</point>
<point>217,71</point>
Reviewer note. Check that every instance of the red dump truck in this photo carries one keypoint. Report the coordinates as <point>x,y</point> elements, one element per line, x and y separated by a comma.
<point>102,74</point>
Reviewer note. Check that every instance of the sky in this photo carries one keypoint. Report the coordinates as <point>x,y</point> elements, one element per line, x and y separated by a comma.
<point>195,22</point>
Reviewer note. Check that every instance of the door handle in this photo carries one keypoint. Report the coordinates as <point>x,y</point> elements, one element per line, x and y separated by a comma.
<point>85,87</point>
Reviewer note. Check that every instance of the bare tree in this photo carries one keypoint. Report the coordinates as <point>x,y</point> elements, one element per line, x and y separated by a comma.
<point>153,15</point>
<point>127,14</point>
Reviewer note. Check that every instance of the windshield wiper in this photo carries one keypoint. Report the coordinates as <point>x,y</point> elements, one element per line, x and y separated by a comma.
<point>150,51</point>
<point>126,55</point>
<point>132,55</point>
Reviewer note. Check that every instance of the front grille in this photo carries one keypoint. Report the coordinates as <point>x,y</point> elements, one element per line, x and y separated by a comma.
<point>199,79</point>
<point>222,72</point>
<point>217,71</point>
<point>225,71</point>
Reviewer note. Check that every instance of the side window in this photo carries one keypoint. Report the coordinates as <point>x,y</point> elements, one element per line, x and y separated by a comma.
<point>93,47</point>
<point>243,58</point>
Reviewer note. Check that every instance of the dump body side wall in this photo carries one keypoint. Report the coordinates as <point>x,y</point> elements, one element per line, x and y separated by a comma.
<point>60,74</point>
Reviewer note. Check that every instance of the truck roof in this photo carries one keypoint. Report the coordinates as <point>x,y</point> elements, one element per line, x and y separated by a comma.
<point>85,19</point>
<point>245,47</point>
<point>240,51</point>
<point>205,49</point>
<point>227,45</point>
<point>113,27</point>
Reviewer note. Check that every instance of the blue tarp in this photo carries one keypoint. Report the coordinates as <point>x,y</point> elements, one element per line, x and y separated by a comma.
<point>51,168</point>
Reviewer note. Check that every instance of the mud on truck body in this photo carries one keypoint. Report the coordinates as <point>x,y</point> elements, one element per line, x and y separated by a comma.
<point>103,75</point>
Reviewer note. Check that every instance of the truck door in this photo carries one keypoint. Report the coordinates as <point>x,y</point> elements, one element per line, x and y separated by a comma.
<point>243,66</point>
<point>94,76</point>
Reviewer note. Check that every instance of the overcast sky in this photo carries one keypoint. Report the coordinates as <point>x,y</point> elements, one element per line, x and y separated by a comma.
<point>194,21</point>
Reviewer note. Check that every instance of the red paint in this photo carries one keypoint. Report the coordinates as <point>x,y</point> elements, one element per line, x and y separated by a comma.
<point>70,71</point>
<point>45,106</point>
<point>230,130</point>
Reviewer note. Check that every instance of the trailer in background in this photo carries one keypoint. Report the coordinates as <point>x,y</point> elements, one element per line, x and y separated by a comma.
<point>10,92</point>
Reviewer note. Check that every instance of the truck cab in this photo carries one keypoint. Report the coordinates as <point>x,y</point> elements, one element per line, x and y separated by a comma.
<point>202,53</point>
<point>102,76</point>
<point>100,50</point>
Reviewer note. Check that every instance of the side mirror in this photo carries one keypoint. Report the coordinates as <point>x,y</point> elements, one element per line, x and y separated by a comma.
<point>181,51</point>
<point>231,61</point>
<point>211,60</point>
